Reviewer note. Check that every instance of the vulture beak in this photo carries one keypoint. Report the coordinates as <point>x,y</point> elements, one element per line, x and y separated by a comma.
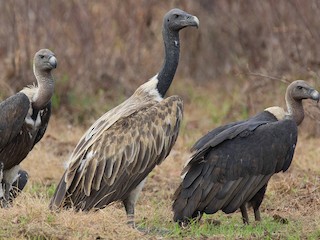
<point>53,61</point>
<point>315,95</point>
<point>193,21</point>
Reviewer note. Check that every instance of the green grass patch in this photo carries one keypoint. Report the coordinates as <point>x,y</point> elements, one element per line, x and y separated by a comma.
<point>229,227</point>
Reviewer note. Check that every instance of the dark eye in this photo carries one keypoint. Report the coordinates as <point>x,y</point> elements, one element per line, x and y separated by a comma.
<point>299,87</point>
<point>41,56</point>
<point>176,16</point>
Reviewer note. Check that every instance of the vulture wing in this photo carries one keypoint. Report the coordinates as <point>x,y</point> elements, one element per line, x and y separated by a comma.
<point>210,135</point>
<point>45,116</point>
<point>13,112</point>
<point>233,166</point>
<point>121,157</point>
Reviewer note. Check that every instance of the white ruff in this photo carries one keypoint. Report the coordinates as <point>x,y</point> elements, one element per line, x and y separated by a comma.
<point>151,88</point>
<point>278,112</point>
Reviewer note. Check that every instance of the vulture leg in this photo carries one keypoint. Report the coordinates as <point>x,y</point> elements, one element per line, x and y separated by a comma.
<point>6,196</point>
<point>244,213</point>
<point>257,215</point>
<point>256,202</point>
<point>2,186</point>
<point>130,202</point>
<point>19,184</point>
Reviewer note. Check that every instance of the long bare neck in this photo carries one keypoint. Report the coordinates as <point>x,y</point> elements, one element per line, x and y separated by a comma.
<point>171,60</point>
<point>295,109</point>
<point>45,89</point>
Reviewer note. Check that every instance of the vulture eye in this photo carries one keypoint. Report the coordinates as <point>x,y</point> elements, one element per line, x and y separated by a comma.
<point>176,16</point>
<point>299,87</point>
<point>41,56</point>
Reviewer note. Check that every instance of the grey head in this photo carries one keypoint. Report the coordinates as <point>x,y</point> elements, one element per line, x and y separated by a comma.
<point>299,90</point>
<point>296,92</point>
<point>176,19</point>
<point>44,60</point>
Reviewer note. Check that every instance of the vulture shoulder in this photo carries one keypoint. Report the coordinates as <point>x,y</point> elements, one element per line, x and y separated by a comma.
<point>229,131</point>
<point>13,113</point>
<point>251,138</point>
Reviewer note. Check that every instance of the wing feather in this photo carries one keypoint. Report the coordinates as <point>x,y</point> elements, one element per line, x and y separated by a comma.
<point>98,175</point>
<point>89,175</point>
<point>13,112</point>
<point>132,146</point>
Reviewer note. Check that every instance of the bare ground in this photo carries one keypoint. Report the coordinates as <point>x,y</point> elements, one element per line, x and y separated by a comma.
<point>294,195</point>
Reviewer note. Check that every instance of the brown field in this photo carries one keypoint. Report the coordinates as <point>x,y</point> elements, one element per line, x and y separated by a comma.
<point>293,195</point>
<point>106,49</point>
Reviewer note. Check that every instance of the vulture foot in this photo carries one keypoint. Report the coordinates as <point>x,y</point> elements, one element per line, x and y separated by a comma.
<point>245,217</point>
<point>196,217</point>
<point>11,191</point>
<point>5,201</point>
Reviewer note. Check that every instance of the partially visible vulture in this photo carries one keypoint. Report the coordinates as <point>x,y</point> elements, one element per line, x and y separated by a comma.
<point>116,154</point>
<point>232,164</point>
<point>23,121</point>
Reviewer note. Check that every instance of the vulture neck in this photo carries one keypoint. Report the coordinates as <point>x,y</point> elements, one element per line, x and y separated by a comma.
<point>171,59</point>
<point>295,109</point>
<point>44,90</point>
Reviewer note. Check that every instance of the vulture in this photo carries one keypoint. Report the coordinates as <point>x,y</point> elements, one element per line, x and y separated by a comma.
<point>231,165</point>
<point>23,121</point>
<point>113,158</point>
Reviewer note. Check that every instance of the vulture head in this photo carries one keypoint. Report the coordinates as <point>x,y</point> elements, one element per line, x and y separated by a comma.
<point>177,19</point>
<point>301,90</point>
<point>44,60</point>
<point>296,92</point>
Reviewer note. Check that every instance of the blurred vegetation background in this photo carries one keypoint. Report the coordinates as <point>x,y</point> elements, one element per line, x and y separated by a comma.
<point>106,49</point>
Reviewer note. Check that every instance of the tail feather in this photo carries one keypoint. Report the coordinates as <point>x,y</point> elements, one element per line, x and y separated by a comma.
<point>183,208</point>
<point>59,195</point>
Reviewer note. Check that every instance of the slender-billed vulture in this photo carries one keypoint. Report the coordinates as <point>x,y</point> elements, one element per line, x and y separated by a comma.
<point>116,154</point>
<point>23,121</point>
<point>232,164</point>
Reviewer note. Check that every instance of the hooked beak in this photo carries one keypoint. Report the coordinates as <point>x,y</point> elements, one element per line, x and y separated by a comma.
<point>193,21</point>
<point>53,61</point>
<point>315,95</point>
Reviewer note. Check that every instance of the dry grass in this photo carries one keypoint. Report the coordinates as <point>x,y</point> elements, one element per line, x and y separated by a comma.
<point>294,195</point>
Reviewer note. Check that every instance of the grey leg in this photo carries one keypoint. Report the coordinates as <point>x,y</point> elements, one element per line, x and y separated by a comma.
<point>244,213</point>
<point>6,195</point>
<point>19,184</point>
<point>2,191</point>
<point>257,216</point>
<point>130,202</point>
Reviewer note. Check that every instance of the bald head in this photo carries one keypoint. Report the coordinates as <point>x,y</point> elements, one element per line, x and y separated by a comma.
<point>44,60</point>
<point>177,19</point>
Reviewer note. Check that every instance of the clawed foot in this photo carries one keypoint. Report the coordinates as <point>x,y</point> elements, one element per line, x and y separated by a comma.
<point>8,190</point>
<point>5,203</point>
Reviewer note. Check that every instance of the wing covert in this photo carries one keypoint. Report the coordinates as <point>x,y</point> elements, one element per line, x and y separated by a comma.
<point>133,144</point>
<point>13,112</point>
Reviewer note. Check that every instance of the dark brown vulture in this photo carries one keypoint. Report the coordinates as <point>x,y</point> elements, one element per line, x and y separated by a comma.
<point>23,121</point>
<point>116,154</point>
<point>232,164</point>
